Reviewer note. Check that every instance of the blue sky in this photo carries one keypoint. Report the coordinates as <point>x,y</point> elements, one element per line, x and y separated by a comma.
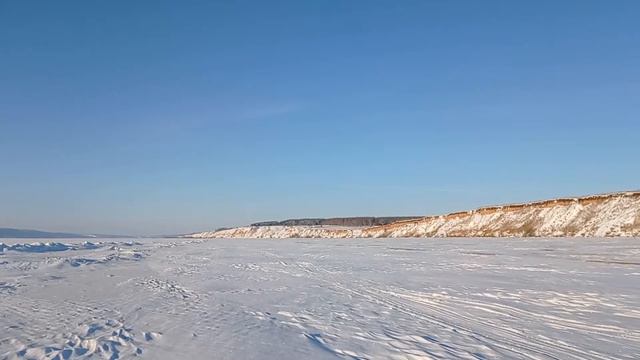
<point>152,117</point>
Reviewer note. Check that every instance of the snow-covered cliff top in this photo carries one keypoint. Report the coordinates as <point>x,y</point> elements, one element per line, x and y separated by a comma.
<point>614,214</point>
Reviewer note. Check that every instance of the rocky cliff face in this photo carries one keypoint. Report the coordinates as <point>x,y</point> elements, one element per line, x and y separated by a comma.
<point>615,214</point>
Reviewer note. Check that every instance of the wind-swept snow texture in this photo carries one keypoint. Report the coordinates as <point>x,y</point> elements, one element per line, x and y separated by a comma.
<point>462,298</point>
<point>607,215</point>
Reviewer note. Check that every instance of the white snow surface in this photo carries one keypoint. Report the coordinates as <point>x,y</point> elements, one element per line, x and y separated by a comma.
<point>462,298</point>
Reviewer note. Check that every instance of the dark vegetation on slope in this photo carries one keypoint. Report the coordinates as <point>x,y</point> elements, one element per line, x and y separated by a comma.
<point>346,221</point>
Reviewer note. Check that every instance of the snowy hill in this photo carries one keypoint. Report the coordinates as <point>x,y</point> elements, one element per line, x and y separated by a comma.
<point>37,234</point>
<point>616,214</point>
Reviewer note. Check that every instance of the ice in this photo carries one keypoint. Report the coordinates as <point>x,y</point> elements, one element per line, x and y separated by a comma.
<point>463,298</point>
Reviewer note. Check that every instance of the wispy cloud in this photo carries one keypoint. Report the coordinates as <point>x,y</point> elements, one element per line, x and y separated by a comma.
<point>267,111</point>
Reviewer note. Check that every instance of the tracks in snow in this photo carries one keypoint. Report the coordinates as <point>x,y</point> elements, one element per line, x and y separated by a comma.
<point>459,299</point>
<point>455,316</point>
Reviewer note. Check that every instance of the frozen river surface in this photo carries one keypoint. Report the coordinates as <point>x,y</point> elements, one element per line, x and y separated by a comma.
<point>321,299</point>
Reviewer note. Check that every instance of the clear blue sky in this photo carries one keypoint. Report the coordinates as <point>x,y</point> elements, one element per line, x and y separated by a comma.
<point>149,117</point>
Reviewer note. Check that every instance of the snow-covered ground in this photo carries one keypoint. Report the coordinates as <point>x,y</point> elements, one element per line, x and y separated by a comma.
<point>321,299</point>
